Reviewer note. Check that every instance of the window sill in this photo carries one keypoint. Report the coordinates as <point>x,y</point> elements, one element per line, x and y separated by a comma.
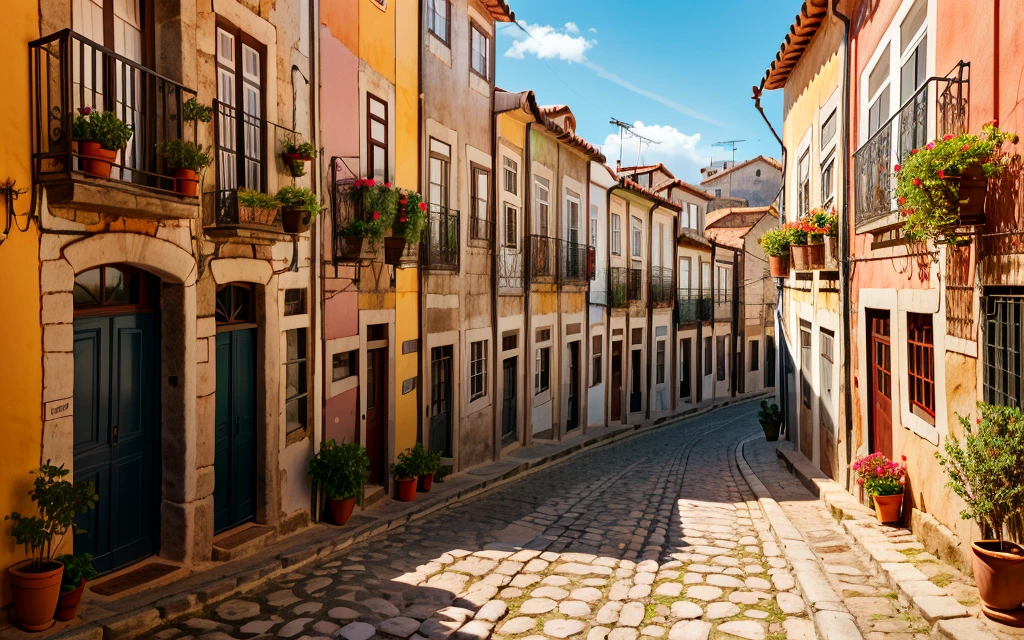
<point>923,427</point>
<point>439,49</point>
<point>81,194</point>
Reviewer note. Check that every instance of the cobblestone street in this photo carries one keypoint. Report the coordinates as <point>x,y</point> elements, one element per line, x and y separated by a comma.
<point>652,537</point>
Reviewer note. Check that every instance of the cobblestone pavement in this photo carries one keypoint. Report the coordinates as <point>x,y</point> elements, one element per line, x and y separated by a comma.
<point>653,537</point>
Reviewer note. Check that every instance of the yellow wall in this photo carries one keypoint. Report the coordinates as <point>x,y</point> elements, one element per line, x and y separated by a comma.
<point>377,37</point>
<point>512,130</point>
<point>406,76</point>
<point>21,374</point>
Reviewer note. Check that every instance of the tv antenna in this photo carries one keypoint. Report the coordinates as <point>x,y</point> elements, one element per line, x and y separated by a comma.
<point>729,145</point>
<point>626,129</point>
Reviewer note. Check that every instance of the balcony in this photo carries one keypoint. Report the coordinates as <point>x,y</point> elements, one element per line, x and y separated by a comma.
<point>693,306</point>
<point>722,305</point>
<point>939,107</point>
<point>510,269</point>
<point>661,287</point>
<point>69,72</point>
<point>440,240</point>
<point>543,259</point>
<point>572,262</point>
<point>627,285</point>
<point>598,290</point>
<point>247,151</point>
<point>481,231</point>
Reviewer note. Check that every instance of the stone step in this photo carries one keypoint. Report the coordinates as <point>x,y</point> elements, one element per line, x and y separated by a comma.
<point>241,542</point>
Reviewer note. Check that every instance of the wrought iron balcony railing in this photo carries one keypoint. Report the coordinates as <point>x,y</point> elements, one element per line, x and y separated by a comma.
<point>635,284</point>
<point>440,239</point>
<point>572,261</point>
<point>938,107</point>
<point>688,306</point>
<point>723,304</point>
<point>543,258</point>
<point>661,287</point>
<point>510,268</point>
<point>70,73</point>
<point>619,282</point>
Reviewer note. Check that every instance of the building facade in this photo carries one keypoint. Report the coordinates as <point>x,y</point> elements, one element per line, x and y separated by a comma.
<point>756,182</point>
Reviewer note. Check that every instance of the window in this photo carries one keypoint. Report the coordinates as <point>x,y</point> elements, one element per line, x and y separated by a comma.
<point>541,195</point>
<point>684,368</point>
<point>805,360</point>
<point>616,234</point>
<point>240,162</point>
<point>644,180</point>
<point>828,129</point>
<point>707,356</point>
<point>827,343</point>
<point>684,216</point>
<point>572,214</point>
<point>803,184</point>
<point>376,138</point>
<point>636,239</point>
<point>828,183</point>
<point>921,362</point>
<point>755,355</point>
<point>437,192</point>
<point>720,359</point>
<point>723,284</point>
<point>479,52</point>
<point>593,225</point>
<point>437,19</point>
<point>878,93</point>
<point>295,385</point>
<point>684,274</point>
<point>122,286</point>
<point>294,302</point>
<point>511,175</point>
<point>541,377</point>
<point>477,369</point>
<point>757,173</point>
<point>480,222</point>
<point>718,193</point>
<point>511,226</point>
<point>705,278</point>
<point>913,52</point>
<point>344,365</point>
<point>659,363</point>
<point>595,360</point>
<point>1004,374</point>
<point>236,302</point>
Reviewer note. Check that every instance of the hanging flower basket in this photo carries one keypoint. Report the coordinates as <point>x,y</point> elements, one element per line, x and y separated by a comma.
<point>358,248</point>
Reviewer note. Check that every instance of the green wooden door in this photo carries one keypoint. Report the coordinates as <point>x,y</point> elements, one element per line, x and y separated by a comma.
<point>234,494</point>
<point>116,424</point>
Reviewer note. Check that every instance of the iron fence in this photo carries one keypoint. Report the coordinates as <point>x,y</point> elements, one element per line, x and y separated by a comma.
<point>543,258</point>
<point>619,283</point>
<point>688,305</point>
<point>481,229</point>
<point>635,284</point>
<point>70,73</point>
<point>572,261</point>
<point>510,269</point>
<point>441,239</point>
<point>661,287</point>
<point>723,304</point>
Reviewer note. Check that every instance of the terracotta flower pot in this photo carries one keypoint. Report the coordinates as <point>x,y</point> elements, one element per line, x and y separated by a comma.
<point>815,255</point>
<point>973,191</point>
<point>405,489</point>
<point>67,604</point>
<point>801,256</point>
<point>97,161</point>
<point>999,574</point>
<point>779,266</point>
<point>887,508</point>
<point>341,510</point>
<point>394,249</point>
<point>186,182</point>
<point>831,251</point>
<point>35,595</point>
<point>295,220</point>
<point>426,481</point>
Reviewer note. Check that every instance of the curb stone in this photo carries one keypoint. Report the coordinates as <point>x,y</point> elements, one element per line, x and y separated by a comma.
<point>137,613</point>
<point>831,619</point>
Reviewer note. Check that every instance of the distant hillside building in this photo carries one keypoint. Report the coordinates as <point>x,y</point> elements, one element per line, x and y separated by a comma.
<point>756,181</point>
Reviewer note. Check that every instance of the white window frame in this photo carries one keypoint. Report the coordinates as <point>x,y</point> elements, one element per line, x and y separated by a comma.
<point>636,238</point>
<point>474,32</point>
<point>616,234</point>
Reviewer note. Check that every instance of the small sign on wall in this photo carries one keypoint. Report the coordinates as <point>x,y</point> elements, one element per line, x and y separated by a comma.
<point>59,409</point>
<point>408,385</point>
<point>410,346</point>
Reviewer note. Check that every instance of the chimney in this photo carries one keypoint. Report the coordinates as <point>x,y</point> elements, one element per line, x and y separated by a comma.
<point>618,165</point>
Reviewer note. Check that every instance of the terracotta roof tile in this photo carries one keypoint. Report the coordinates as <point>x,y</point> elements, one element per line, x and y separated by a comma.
<point>805,25</point>
<point>687,187</point>
<point>499,10</point>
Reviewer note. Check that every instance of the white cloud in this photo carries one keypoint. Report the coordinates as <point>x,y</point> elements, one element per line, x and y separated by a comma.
<point>676,149</point>
<point>592,30</point>
<point>545,41</point>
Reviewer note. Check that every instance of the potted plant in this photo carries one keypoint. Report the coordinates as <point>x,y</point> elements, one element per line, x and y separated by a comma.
<point>775,243</point>
<point>770,417</point>
<point>187,160</point>
<point>373,206</point>
<point>798,248</point>
<point>410,218</point>
<point>426,463</point>
<point>256,207</point>
<point>826,226</point>
<point>100,135</point>
<point>883,480</point>
<point>943,185</point>
<point>35,583</point>
<point>816,226</point>
<point>194,111</point>
<point>340,470</point>
<point>299,206</point>
<point>77,570</point>
<point>405,472</point>
<point>295,156</point>
<point>986,469</point>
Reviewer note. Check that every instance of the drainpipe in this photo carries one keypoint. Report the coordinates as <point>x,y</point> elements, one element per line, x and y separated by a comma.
<point>585,348</point>
<point>844,241</point>
<point>421,297</point>
<point>737,339</point>
<point>527,203</point>
<point>650,312</point>
<point>608,308</point>
<point>495,333</point>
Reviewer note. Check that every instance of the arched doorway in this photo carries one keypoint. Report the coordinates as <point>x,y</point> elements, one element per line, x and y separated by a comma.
<point>117,412</point>
<point>235,431</point>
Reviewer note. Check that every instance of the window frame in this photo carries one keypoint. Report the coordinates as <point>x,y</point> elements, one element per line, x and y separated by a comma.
<point>372,143</point>
<point>351,358</point>
<point>596,358</point>
<point>720,363</point>
<point>921,370</point>
<point>511,213</point>
<point>543,218</point>
<point>616,234</point>
<point>659,361</point>
<point>511,174</point>
<point>755,355</point>
<point>542,370</point>
<point>636,238</point>
<point>241,41</point>
<point>708,356</point>
<point>476,30</point>
<point>431,14</point>
<point>476,171</point>
<point>302,395</point>
<point>477,370</point>
<point>446,166</point>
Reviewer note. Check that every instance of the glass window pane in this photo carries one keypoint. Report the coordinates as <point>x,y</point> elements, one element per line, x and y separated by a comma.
<point>377,131</point>
<point>118,286</point>
<point>87,288</point>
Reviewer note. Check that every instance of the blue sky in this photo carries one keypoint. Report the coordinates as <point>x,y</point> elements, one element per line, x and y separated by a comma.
<point>682,68</point>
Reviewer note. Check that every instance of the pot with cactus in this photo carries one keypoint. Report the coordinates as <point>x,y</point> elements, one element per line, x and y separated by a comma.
<point>883,480</point>
<point>986,470</point>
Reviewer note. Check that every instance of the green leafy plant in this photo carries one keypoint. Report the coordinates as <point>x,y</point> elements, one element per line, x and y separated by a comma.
<point>299,198</point>
<point>825,221</point>
<point>194,111</point>
<point>776,242</point>
<point>103,127</point>
<point>304,150</point>
<point>257,199</point>
<point>879,475</point>
<point>77,567</point>
<point>928,199</point>
<point>179,154</point>
<point>422,461</point>
<point>296,168</point>
<point>341,470</point>
<point>411,216</point>
<point>58,501</point>
<point>406,467</point>
<point>769,415</point>
<point>374,205</point>
<point>442,473</point>
<point>986,468</point>
<point>81,128</point>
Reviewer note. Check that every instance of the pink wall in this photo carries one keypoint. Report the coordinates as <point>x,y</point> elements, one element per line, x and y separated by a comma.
<point>339,97</point>
<point>341,419</point>
<point>341,313</point>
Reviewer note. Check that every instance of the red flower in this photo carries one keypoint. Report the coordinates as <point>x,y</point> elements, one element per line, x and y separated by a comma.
<point>929,146</point>
<point>85,110</point>
<point>896,168</point>
<point>966,147</point>
<point>423,206</point>
<point>902,200</point>
<point>376,215</point>
<point>948,136</point>
<point>913,152</point>
<point>359,183</point>
<point>387,184</point>
<point>370,182</point>
<point>942,174</point>
<point>904,458</point>
<point>917,182</point>
<point>979,420</point>
<point>403,219</point>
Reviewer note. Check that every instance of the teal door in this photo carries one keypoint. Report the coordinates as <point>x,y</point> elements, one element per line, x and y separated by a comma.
<point>116,423</point>
<point>234,493</point>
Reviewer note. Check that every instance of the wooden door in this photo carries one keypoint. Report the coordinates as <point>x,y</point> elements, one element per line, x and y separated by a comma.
<point>635,390</point>
<point>880,398</point>
<point>510,377</point>
<point>441,400</point>
<point>616,390</point>
<point>806,436</point>
<point>234,493</point>
<point>685,366</point>
<point>377,413</point>
<point>116,435</point>
<point>573,415</point>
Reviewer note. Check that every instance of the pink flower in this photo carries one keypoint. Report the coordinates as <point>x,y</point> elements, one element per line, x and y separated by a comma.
<point>896,168</point>
<point>917,182</point>
<point>948,136</point>
<point>423,206</point>
<point>942,174</point>
<point>376,215</point>
<point>913,152</point>
<point>929,146</point>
